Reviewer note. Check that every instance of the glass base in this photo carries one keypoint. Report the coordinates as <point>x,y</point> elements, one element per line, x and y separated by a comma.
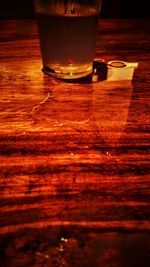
<point>68,72</point>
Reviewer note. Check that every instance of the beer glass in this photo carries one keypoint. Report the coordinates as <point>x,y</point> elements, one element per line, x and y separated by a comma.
<point>67,34</point>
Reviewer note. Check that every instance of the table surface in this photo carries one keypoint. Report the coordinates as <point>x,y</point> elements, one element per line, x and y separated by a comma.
<point>74,157</point>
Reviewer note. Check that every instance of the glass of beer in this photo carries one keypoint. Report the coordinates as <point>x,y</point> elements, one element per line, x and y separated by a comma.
<point>67,34</point>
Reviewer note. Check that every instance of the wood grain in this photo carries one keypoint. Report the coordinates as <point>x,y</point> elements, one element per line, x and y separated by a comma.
<point>74,157</point>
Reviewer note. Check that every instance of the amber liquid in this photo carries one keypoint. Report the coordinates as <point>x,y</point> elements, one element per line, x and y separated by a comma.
<point>67,43</point>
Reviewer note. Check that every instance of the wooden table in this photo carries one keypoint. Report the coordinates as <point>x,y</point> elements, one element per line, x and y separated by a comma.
<point>74,157</point>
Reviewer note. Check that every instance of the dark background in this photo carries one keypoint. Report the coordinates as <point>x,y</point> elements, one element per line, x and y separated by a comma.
<point>17,9</point>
